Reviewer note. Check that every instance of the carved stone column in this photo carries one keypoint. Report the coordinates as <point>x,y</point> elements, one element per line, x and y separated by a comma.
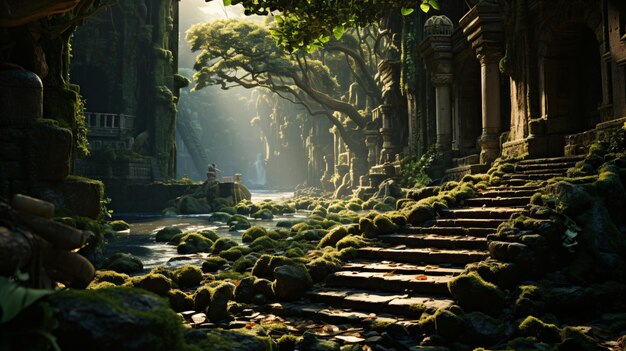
<point>437,52</point>
<point>483,27</point>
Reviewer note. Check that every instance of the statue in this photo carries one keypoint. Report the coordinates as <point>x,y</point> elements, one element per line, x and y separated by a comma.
<point>211,173</point>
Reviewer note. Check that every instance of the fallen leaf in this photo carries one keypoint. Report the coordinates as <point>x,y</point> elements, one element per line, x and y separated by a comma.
<point>372,316</point>
<point>349,338</point>
<point>421,277</point>
<point>250,325</point>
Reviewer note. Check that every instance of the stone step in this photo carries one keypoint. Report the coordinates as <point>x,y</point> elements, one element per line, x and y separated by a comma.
<point>561,159</point>
<point>482,212</point>
<point>402,268</point>
<point>436,241</point>
<point>423,255</point>
<point>543,171</point>
<point>518,182</point>
<point>509,187</point>
<point>508,193</point>
<point>542,176</point>
<point>543,166</point>
<point>379,301</point>
<point>390,282</point>
<point>454,231</point>
<point>498,201</point>
<point>468,223</point>
<point>321,312</point>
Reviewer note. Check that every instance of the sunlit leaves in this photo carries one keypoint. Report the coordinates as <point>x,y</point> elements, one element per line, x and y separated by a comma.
<point>307,24</point>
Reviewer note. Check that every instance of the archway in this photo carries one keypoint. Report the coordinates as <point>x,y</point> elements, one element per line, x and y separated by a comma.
<point>572,79</point>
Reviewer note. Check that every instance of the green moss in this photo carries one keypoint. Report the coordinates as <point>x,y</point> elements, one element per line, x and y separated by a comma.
<point>119,225</point>
<point>383,207</point>
<point>243,263</point>
<point>168,272</point>
<point>179,301</point>
<point>194,243</point>
<point>123,263</point>
<point>209,234</point>
<point>188,276</point>
<point>166,234</point>
<point>222,244</point>
<point>350,241</point>
<point>153,282</point>
<point>296,228</point>
<point>264,243</point>
<point>253,233</point>
<point>110,277</point>
<point>473,293</point>
<point>367,228</point>
<point>231,254</point>
<point>384,225</point>
<point>287,342</point>
<point>265,265</point>
<point>213,263</point>
<point>333,236</point>
<point>532,326</point>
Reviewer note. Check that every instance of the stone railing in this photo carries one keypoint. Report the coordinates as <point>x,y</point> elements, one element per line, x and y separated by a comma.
<point>108,124</point>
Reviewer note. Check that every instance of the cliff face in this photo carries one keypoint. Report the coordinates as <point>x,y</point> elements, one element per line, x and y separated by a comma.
<point>125,61</point>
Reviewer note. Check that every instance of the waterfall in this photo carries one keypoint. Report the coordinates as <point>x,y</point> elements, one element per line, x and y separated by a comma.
<point>259,166</point>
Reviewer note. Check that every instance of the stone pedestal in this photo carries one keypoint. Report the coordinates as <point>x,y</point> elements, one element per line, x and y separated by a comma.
<point>483,27</point>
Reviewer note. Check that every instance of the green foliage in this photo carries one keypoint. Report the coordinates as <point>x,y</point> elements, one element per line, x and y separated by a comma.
<point>308,25</point>
<point>414,169</point>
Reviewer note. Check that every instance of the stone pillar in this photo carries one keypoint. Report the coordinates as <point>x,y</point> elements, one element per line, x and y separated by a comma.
<point>490,84</point>
<point>443,101</point>
<point>437,52</point>
<point>483,28</point>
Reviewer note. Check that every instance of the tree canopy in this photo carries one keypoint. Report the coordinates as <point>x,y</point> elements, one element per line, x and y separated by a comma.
<point>308,25</point>
<point>241,53</point>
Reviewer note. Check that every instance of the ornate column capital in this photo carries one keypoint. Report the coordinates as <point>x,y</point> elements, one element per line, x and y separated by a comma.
<point>441,79</point>
<point>484,30</point>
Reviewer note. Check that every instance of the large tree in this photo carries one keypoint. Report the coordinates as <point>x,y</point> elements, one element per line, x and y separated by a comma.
<point>306,24</point>
<point>240,53</point>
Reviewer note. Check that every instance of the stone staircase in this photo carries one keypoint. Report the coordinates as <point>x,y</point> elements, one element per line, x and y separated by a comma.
<point>387,282</point>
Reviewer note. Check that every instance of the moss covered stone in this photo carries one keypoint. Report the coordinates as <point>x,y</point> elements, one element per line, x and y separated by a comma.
<point>473,293</point>
<point>222,244</point>
<point>119,225</point>
<point>188,276</point>
<point>333,236</point>
<point>292,281</point>
<point>179,301</point>
<point>115,319</point>
<point>194,243</point>
<point>110,276</point>
<point>153,282</point>
<point>253,233</point>
<point>123,263</point>
<point>213,263</point>
<point>535,327</point>
<point>218,305</point>
<point>384,225</point>
<point>166,234</point>
<point>231,254</point>
<point>265,265</point>
<point>263,243</point>
<point>350,241</point>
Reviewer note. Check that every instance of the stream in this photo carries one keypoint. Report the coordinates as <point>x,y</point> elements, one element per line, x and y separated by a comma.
<point>139,240</point>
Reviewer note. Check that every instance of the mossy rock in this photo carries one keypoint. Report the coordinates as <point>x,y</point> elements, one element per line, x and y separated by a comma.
<point>166,234</point>
<point>112,277</point>
<point>153,282</point>
<point>367,228</point>
<point>320,268</point>
<point>350,241</point>
<point>220,217</point>
<point>244,291</point>
<point>188,276</point>
<point>535,327</point>
<point>194,243</point>
<point>218,306</point>
<point>264,243</point>
<point>383,207</point>
<point>209,234</point>
<point>227,340</point>
<point>310,342</point>
<point>265,265</point>
<point>188,204</point>
<point>179,301</point>
<point>263,214</point>
<point>119,225</point>
<point>298,227</point>
<point>473,293</point>
<point>418,214</point>
<point>222,244</point>
<point>243,263</point>
<point>384,225</point>
<point>333,236</point>
<point>115,319</point>
<point>253,233</point>
<point>123,263</point>
<point>443,322</point>
<point>292,281</point>
<point>168,272</point>
<point>231,254</point>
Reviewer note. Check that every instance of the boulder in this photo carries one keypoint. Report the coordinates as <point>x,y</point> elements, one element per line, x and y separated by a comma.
<point>244,292</point>
<point>115,319</point>
<point>153,282</point>
<point>218,306</point>
<point>193,243</point>
<point>166,234</point>
<point>188,276</point>
<point>473,293</point>
<point>123,263</point>
<point>292,281</point>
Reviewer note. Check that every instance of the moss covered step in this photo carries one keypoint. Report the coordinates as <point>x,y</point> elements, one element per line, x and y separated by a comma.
<point>379,281</point>
<point>424,255</point>
<point>504,192</point>
<point>542,170</point>
<point>498,201</point>
<point>469,222</point>
<point>552,160</point>
<point>482,212</point>
<point>436,241</point>
<point>454,231</point>
<point>409,305</point>
<point>523,176</point>
<point>401,268</point>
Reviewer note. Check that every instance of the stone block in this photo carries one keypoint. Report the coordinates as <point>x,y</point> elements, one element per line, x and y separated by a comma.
<point>21,96</point>
<point>81,196</point>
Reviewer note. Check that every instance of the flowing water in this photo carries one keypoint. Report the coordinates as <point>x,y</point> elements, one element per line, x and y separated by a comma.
<point>139,240</point>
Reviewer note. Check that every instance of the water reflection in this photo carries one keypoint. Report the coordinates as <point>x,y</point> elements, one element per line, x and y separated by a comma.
<point>139,241</point>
